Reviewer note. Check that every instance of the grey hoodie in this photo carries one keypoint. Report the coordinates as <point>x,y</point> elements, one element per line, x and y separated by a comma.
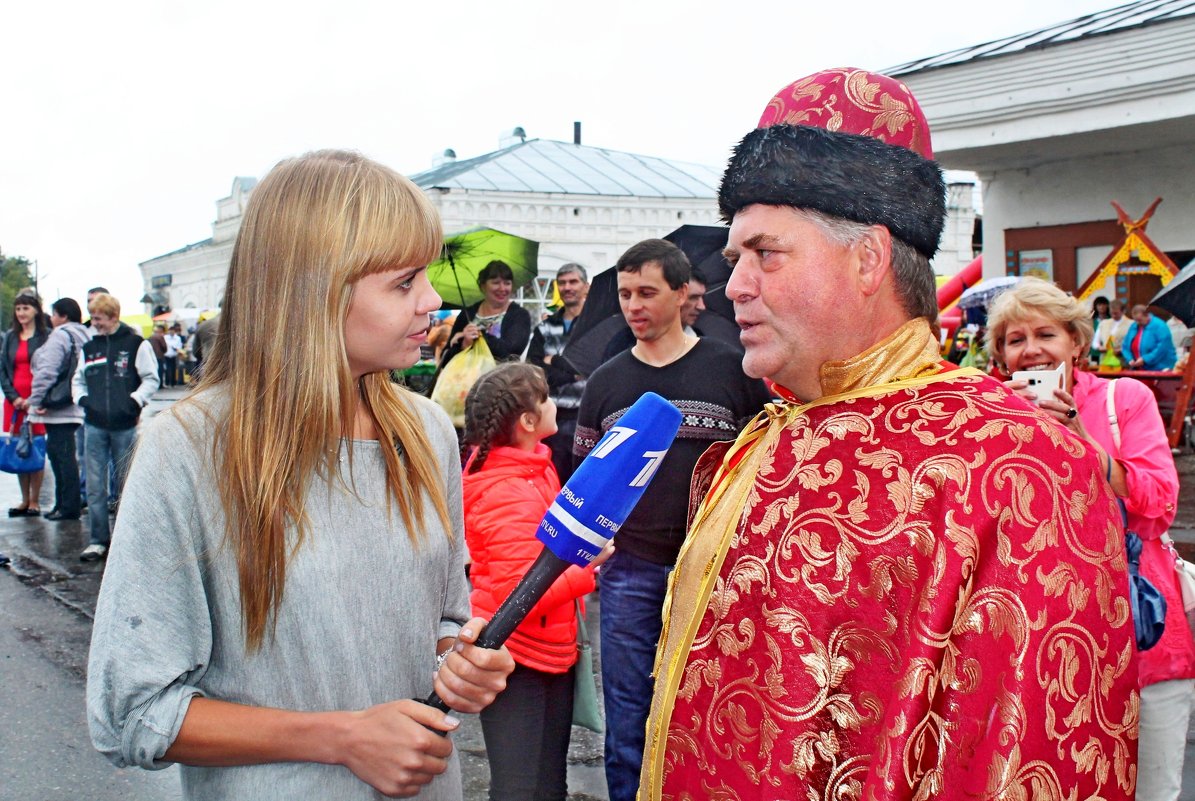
<point>48,363</point>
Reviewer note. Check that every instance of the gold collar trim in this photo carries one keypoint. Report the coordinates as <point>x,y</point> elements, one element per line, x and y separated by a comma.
<point>909,352</point>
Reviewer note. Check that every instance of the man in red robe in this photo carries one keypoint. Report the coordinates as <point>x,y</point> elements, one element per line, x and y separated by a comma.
<point>902,582</point>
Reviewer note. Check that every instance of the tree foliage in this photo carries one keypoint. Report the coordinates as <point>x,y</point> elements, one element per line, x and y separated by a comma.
<point>14,276</point>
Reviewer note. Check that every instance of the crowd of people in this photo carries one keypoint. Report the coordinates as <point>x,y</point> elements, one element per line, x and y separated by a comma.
<point>815,595</point>
<point>859,571</point>
<point>81,384</point>
<point>82,387</point>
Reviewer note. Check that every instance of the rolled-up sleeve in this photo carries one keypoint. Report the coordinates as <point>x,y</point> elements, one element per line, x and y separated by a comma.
<point>152,638</point>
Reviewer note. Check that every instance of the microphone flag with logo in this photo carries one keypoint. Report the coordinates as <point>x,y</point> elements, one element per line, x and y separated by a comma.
<point>589,509</point>
<point>602,492</point>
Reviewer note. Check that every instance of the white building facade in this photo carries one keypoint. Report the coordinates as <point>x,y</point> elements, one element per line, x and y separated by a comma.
<point>1059,123</point>
<point>193,277</point>
<point>582,204</point>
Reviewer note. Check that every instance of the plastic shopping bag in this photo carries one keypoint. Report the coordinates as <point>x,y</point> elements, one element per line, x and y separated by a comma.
<point>459,376</point>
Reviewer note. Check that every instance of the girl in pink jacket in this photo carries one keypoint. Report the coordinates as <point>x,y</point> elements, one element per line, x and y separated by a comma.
<point>509,483</point>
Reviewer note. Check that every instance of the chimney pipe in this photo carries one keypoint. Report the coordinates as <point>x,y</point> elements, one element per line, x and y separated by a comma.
<point>576,133</point>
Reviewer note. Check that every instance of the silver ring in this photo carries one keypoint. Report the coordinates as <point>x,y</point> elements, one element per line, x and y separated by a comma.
<point>1072,412</point>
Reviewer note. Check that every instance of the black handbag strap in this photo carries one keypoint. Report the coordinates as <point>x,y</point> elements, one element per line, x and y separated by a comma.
<point>66,366</point>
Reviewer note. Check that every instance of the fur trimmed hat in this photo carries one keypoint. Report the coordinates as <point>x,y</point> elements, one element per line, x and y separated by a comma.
<point>847,143</point>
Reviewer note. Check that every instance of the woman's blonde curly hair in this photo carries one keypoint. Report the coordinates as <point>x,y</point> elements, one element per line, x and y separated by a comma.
<point>1033,297</point>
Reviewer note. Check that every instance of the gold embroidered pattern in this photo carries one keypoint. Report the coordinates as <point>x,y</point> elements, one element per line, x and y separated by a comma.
<point>915,582</point>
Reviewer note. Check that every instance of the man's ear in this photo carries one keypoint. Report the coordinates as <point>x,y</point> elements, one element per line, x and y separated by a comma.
<point>874,253</point>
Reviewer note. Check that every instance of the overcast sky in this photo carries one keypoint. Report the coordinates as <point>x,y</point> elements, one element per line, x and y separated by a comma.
<point>123,122</point>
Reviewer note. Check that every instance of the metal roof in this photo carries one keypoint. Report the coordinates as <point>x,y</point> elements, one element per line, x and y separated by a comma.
<point>193,246</point>
<point>542,165</point>
<point>1120,18</point>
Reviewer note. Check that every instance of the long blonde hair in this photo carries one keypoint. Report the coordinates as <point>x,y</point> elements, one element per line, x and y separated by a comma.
<point>313,227</point>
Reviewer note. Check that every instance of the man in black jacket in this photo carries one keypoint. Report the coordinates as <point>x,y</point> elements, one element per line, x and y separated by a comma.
<point>565,385</point>
<point>116,378</point>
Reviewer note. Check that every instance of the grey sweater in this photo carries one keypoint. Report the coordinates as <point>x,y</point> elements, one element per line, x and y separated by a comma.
<point>358,625</point>
<point>49,361</point>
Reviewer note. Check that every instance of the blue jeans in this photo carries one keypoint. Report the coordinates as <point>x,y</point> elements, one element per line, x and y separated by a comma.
<point>102,447</point>
<point>632,599</point>
<point>81,457</point>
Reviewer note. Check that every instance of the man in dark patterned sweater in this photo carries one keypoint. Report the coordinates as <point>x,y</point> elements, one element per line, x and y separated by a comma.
<point>705,380</point>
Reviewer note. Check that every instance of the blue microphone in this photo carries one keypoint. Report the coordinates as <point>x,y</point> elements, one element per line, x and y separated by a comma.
<point>590,509</point>
<point>602,492</point>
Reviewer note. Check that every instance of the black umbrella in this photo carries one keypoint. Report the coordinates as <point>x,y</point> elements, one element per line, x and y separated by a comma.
<point>1178,297</point>
<point>587,351</point>
<point>703,244</point>
<point>600,330</point>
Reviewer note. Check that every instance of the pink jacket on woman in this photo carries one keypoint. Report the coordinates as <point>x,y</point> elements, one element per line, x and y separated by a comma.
<point>1144,453</point>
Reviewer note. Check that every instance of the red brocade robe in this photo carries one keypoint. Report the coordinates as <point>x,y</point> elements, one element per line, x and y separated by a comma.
<point>914,587</point>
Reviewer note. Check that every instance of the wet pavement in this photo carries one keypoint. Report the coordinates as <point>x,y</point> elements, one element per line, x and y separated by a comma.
<point>44,749</point>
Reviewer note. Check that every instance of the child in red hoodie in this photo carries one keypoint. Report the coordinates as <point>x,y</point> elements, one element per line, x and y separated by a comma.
<point>509,483</point>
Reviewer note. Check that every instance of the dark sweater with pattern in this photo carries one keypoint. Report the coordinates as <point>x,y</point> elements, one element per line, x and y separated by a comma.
<point>717,399</point>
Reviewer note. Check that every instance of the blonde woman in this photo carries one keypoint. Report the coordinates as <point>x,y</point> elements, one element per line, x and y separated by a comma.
<point>306,574</point>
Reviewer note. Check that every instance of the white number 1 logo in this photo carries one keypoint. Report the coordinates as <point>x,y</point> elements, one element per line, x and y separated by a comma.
<point>620,434</point>
<point>654,460</point>
<point>614,437</point>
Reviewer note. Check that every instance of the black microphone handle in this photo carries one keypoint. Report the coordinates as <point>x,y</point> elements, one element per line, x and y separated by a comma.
<point>546,569</point>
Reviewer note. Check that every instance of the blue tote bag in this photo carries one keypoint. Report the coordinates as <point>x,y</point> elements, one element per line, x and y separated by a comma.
<point>22,452</point>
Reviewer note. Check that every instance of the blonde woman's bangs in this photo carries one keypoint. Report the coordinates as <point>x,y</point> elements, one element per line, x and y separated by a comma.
<point>397,226</point>
<point>313,226</point>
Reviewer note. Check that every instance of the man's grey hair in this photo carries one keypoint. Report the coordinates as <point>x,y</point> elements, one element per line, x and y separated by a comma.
<point>915,284</point>
<point>572,267</point>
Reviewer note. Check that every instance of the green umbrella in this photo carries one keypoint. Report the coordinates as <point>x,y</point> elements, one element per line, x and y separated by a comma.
<point>465,255</point>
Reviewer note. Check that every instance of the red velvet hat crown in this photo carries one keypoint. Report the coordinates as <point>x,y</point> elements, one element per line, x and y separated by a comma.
<point>847,143</point>
<point>849,100</point>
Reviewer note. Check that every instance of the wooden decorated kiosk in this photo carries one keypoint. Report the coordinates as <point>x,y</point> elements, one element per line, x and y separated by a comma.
<point>1134,272</point>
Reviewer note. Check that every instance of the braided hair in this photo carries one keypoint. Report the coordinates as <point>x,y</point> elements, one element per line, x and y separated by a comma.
<point>495,402</point>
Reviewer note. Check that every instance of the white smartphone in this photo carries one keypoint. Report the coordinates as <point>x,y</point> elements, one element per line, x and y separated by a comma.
<point>1042,383</point>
